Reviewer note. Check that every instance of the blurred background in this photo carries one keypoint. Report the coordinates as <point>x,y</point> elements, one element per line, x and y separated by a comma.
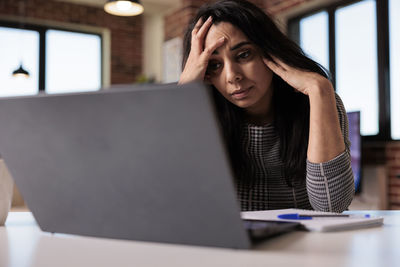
<point>61,46</point>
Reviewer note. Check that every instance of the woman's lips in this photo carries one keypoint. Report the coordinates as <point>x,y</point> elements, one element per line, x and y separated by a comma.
<point>240,94</point>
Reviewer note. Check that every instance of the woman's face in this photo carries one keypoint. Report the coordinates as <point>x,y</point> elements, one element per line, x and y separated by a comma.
<point>237,70</point>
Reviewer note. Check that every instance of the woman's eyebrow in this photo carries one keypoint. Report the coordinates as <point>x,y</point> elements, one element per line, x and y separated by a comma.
<point>237,46</point>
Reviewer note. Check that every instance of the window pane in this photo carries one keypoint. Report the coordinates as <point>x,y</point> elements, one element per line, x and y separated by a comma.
<point>394,34</point>
<point>18,46</point>
<point>314,37</point>
<point>356,62</point>
<point>73,62</point>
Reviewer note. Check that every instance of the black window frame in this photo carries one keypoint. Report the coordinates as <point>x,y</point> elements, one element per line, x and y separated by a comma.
<point>382,28</point>
<point>42,46</point>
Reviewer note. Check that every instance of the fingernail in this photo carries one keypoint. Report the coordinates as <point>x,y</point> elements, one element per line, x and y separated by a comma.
<point>221,39</point>
<point>209,18</point>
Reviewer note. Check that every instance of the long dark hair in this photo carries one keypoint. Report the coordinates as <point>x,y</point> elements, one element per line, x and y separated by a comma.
<point>291,109</point>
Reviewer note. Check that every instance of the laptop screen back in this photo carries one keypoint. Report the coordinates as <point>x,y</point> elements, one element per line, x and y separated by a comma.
<point>131,163</point>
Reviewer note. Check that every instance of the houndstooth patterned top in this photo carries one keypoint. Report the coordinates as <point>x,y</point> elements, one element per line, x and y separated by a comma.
<point>329,186</point>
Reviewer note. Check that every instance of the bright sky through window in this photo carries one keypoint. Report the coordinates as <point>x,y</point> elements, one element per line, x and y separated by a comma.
<point>18,46</point>
<point>314,37</point>
<point>356,62</point>
<point>73,62</point>
<point>394,34</point>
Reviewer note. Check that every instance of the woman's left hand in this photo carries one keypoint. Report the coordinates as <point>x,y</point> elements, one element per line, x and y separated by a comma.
<point>325,137</point>
<point>302,81</point>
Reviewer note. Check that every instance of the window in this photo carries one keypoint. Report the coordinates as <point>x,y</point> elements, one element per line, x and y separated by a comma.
<point>58,61</point>
<point>73,62</point>
<point>18,46</point>
<point>314,37</point>
<point>345,36</point>
<point>394,34</point>
<point>356,62</point>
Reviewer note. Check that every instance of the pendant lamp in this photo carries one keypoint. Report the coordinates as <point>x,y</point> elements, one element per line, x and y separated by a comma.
<point>20,72</point>
<point>124,7</point>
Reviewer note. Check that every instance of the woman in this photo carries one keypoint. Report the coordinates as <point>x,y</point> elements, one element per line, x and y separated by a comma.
<point>285,128</point>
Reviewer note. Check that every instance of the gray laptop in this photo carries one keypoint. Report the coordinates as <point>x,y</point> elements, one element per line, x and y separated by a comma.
<point>141,163</point>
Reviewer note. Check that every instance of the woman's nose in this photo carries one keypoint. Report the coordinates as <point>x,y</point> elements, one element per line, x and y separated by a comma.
<point>233,73</point>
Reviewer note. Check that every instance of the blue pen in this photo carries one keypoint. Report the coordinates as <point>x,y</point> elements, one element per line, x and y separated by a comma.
<point>297,216</point>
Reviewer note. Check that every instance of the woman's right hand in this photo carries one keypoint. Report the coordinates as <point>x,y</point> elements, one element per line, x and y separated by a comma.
<point>196,64</point>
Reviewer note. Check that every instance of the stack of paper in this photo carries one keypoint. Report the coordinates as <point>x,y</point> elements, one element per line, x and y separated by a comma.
<point>321,224</point>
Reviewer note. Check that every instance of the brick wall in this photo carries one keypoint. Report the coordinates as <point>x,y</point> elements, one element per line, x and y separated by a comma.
<point>126,32</point>
<point>176,22</point>
<point>387,154</point>
<point>392,153</point>
<point>274,7</point>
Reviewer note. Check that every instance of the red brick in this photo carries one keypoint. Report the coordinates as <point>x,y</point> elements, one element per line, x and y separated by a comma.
<point>395,206</point>
<point>394,197</point>
<point>393,181</point>
<point>393,145</point>
<point>394,190</point>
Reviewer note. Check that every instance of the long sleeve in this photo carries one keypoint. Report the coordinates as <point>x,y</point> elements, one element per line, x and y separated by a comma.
<point>330,185</point>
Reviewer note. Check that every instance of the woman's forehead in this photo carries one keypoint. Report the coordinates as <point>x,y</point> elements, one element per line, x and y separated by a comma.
<point>231,33</point>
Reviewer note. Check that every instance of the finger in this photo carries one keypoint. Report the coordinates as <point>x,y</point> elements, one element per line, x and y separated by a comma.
<point>196,45</point>
<point>204,28</point>
<point>199,35</point>
<point>280,62</point>
<point>274,67</point>
<point>211,48</point>
<point>197,26</point>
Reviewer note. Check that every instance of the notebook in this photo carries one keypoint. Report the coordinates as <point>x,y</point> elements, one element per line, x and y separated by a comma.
<point>140,163</point>
<point>320,224</point>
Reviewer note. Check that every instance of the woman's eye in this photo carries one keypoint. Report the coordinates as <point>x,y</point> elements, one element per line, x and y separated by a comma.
<point>213,66</point>
<point>244,54</point>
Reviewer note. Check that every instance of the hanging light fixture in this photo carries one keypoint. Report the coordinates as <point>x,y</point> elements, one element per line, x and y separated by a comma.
<point>20,72</point>
<point>124,7</point>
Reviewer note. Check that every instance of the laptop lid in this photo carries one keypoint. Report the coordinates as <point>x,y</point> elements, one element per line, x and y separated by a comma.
<point>143,163</point>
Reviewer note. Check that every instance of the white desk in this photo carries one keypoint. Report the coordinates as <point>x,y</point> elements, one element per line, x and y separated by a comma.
<point>23,244</point>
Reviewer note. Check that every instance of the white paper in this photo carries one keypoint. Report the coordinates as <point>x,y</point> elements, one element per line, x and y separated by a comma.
<point>321,224</point>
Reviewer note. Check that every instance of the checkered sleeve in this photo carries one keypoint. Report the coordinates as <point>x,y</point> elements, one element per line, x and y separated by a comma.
<point>330,185</point>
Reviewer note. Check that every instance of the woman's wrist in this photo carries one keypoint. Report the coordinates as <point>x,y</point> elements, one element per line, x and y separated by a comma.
<point>321,90</point>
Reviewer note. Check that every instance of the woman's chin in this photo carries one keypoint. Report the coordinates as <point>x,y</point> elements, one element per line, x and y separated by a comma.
<point>242,103</point>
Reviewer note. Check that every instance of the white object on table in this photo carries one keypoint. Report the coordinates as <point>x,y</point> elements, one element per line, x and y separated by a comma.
<point>320,224</point>
<point>6,191</point>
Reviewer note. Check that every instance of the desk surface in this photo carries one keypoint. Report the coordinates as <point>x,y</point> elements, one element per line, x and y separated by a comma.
<point>22,243</point>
